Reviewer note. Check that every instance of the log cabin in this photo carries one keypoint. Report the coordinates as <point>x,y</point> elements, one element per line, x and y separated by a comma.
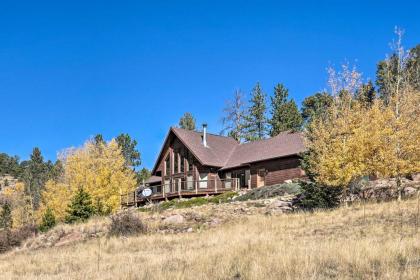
<point>192,163</point>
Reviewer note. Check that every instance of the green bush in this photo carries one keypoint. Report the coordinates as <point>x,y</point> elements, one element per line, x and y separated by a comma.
<point>80,208</point>
<point>6,220</point>
<point>315,196</point>
<point>48,221</point>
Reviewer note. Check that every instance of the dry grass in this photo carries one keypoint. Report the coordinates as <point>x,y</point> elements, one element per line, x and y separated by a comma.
<point>344,244</point>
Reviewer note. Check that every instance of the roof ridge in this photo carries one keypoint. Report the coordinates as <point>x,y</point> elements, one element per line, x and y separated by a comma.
<point>208,133</point>
<point>270,138</point>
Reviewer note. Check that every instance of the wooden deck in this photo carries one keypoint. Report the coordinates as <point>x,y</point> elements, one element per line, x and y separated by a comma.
<point>184,189</point>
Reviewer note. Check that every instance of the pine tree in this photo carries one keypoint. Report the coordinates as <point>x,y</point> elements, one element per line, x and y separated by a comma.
<point>366,94</point>
<point>35,176</point>
<point>256,120</point>
<point>6,221</point>
<point>187,121</point>
<point>143,175</point>
<point>129,151</point>
<point>48,220</point>
<point>80,208</point>
<point>99,140</point>
<point>285,114</point>
<point>316,106</point>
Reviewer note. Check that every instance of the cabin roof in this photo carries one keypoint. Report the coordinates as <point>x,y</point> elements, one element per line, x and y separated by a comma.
<point>225,152</point>
<point>282,145</point>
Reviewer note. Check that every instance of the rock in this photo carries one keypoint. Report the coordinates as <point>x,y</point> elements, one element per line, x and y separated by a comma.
<point>416,177</point>
<point>189,230</point>
<point>174,219</point>
<point>410,190</point>
<point>215,222</point>
<point>280,204</point>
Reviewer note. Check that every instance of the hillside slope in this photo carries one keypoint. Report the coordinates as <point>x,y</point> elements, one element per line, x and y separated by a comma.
<point>379,241</point>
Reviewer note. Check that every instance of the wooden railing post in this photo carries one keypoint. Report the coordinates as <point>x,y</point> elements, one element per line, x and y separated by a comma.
<point>196,187</point>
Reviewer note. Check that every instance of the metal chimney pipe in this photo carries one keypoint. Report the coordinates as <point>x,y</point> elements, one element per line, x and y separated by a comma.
<point>204,134</point>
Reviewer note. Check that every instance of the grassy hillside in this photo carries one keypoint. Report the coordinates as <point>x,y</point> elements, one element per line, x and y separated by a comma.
<point>378,242</point>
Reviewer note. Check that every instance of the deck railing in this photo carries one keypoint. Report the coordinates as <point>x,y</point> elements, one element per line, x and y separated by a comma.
<point>179,188</point>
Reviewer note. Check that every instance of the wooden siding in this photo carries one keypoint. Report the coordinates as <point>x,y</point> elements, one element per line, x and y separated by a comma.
<point>277,170</point>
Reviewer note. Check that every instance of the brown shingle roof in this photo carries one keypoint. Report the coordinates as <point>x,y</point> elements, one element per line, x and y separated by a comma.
<point>217,152</point>
<point>284,144</point>
<point>153,179</point>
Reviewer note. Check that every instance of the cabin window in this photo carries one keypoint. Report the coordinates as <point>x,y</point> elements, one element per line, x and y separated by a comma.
<point>248,177</point>
<point>203,180</point>
<point>167,186</point>
<point>168,166</point>
<point>190,162</point>
<point>176,161</point>
<point>182,163</point>
<point>228,180</point>
<point>190,182</point>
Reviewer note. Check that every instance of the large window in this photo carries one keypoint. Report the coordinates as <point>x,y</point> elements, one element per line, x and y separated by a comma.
<point>228,180</point>
<point>176,160</point>
<point>168,166</point>
<point>189,161</point>
<point>182,163</point>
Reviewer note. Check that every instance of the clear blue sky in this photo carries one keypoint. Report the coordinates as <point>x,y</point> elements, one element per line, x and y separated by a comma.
<point>71,69</point>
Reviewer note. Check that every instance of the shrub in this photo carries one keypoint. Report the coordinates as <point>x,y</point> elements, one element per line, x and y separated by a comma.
<point>197,201</point>
<point>48,221</point>
<point>80,208</point>
<point>222,198</point>
<point>315,196</point>
<point>126,223</point>
<point>10,239</point>
<point>6,221</point>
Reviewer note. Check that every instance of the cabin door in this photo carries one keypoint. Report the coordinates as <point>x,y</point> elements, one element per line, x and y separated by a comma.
<point>261,178</point>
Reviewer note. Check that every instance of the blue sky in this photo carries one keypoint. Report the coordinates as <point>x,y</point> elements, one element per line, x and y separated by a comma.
<point>72,69</point>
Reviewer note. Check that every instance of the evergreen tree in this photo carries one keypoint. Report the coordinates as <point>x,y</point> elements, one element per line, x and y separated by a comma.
<point>234,117</point>
<point>187,121</point>
<point>6,220</point>
<point>285,114</point>
<point>143,175</point>
<point>315,106</point>
<point>366,94</point>
<point>256,120</point>
<point>129,150</point>
<point>99,139</point>
<point>400,67</point>
<point>48,220</point>
<point>35,176</point>
<point>10,165</point>
<point>80,208</point>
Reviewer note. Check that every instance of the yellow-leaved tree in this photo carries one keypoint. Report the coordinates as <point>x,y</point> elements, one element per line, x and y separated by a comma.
<point>353,140</point>
<point>100,169</point>
<point>22,213</point>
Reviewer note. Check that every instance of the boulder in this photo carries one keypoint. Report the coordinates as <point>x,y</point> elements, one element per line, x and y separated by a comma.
<point>174,219</point>
<point>280,204</point>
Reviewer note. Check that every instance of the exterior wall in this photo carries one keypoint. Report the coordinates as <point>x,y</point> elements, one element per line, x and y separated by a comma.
<point>277,171</point>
